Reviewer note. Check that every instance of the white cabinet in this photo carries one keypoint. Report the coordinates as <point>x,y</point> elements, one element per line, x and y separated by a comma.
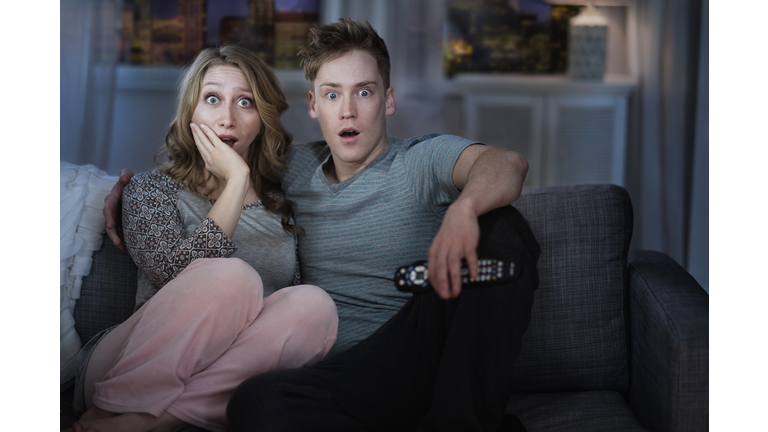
<point>514,122</point>
<point>585,139</point>
<point>571,132</point>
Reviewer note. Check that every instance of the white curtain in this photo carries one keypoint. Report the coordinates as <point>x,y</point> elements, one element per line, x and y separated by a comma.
<point>669,180</point>
<point>90,32</point>
<point>698,243</point>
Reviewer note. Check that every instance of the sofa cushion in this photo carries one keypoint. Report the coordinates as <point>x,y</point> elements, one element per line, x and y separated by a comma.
<point>108,293</point>
<point>592,411</point>
<point>577,336</point>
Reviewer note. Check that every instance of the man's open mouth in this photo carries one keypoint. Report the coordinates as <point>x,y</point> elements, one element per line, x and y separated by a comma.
<point>349,133</point>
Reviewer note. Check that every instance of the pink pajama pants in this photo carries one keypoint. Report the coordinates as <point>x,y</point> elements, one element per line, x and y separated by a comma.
<point>188,348</point>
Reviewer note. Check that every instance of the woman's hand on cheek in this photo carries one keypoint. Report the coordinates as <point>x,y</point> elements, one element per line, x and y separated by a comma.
<point>221,160</point>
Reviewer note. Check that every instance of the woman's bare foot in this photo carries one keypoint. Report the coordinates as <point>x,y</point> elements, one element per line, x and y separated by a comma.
<point>96,413</point>
<point>129,422</point>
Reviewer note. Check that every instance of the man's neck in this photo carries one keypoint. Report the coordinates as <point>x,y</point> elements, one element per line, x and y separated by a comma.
<point>337,171</point>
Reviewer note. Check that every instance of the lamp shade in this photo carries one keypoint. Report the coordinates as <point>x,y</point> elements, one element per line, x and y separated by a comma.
<point>587,41</point>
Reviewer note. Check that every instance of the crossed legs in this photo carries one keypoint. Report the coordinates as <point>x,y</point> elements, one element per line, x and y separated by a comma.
<point>178,359</point>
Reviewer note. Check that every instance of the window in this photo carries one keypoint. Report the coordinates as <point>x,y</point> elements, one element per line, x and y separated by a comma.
<point>171,32</point>
<point>527,36</point>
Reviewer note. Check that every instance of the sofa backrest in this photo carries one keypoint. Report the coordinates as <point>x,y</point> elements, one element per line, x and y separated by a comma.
<point>108,293</point>
<point>577,338</point>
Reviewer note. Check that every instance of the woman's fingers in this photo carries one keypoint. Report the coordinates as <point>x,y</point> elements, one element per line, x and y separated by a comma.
<point>204,143</point>
<point>199,139</point>
<point>206,137</point>
<point>219,158</point>
<point>211,135</point>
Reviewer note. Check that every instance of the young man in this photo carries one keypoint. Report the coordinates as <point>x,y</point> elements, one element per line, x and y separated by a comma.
<point>370,204</point>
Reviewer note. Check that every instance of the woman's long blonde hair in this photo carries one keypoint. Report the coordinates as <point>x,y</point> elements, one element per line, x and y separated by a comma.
<point>265,155</point>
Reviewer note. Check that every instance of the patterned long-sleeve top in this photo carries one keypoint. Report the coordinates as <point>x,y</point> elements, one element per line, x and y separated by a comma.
<point>166,227</point>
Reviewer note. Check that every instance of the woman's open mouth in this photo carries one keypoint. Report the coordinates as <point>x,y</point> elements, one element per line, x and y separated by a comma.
<point>228,140</point>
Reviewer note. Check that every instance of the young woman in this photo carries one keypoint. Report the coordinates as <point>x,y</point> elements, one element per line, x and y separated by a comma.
<point>214,238</point>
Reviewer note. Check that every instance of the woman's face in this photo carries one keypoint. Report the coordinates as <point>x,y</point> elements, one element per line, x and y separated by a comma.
<point>226,106</point>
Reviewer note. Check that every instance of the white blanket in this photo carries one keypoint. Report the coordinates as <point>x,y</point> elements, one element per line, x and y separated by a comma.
<point>82,193</point>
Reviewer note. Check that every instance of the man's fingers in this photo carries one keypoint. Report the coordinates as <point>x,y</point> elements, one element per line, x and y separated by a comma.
<point>111,210</point>
<point>120,237</point>
<point>110,204</point>
<point>445,269</point>
<point>471,257</point>
<point>125,176</point>
<point>446,256</point>
<point>436,276</point>
<point>115,239</point>
<point>452,271</point>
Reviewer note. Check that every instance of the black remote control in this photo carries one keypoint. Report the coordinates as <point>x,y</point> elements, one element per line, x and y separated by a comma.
<point>415,277</point>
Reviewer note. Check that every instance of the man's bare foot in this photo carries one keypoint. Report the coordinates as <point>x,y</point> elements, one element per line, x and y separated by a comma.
<point>130,422</point>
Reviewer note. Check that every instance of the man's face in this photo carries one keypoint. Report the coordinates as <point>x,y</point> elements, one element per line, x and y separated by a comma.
<point>349,99</point>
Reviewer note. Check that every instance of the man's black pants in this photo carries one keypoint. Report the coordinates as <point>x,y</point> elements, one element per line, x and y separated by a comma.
<point>435,366</point>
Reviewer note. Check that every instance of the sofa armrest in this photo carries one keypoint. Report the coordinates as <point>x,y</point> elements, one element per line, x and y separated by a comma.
<point>669,342</point>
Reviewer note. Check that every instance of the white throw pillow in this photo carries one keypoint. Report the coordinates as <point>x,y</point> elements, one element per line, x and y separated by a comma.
<point>82,192</point>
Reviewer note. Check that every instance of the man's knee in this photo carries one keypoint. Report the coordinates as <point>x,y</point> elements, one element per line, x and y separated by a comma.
<point>504,233</point>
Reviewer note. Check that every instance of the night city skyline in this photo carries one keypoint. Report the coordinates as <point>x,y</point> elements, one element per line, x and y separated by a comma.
<point>526,36</point>
<point>173,31</point>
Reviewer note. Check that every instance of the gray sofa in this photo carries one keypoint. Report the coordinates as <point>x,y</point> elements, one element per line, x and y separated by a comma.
<point>618,340</point>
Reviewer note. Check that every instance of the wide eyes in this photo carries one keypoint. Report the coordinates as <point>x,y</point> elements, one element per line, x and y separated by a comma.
<point>244,102</point>
<point>334,95</point>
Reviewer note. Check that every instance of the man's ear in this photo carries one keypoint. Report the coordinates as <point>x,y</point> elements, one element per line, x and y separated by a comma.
<point>391,105</point>
<point>312,108</point>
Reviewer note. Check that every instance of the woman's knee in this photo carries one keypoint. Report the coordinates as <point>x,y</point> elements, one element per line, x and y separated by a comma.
<point>236,272</point>
<point>312,301</point>
<point>226,282</point>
